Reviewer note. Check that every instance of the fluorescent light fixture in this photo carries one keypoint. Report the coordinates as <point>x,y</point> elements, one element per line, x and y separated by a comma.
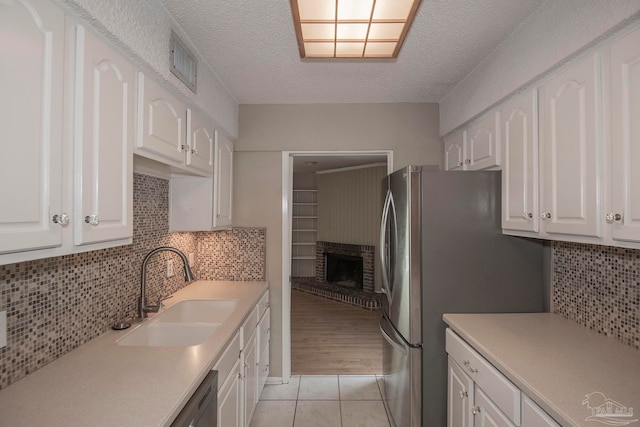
<point>352,28</point>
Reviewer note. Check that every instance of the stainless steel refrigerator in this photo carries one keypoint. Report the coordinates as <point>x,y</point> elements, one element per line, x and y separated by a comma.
<point>442,251</point>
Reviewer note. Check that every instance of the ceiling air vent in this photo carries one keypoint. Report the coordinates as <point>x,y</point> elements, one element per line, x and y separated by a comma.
<point>183,62</point>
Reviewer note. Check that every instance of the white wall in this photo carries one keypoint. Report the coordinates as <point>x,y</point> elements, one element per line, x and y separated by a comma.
<point>410,130</point>
<point>142,29</point>
<point>553,33</point>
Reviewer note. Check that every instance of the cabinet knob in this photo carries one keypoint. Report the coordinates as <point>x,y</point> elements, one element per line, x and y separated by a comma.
<point>463,394</point>
<point>475,410</point>
<point>545,215</point>
<point>92,219</point>
<point>527,215</point>
<point>184,147</point>
<point>460,164</point>
<point>613,217</point>
<point>467,161</point>
<point>62,219</point>
<point>194,151</point>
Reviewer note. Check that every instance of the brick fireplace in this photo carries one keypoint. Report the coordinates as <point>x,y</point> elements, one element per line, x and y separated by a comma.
<point>347,253</point>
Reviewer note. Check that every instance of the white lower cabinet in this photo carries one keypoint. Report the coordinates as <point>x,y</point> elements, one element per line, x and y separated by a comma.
<point>229,400</point>
<point>479,395</point>
<point>486,413</point>
<point>535,416</point>
<point>240,374</point>
<point>460,396</point>
<point>249,359</point>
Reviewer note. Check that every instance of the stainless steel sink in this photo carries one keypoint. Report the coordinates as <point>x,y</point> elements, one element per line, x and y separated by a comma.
<point>186,323</point>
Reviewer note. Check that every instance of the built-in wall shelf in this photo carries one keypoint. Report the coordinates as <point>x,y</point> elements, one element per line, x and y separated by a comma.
<point>304,229</point>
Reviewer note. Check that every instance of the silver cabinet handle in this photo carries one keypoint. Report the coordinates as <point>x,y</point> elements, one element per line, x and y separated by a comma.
<point>62,219</point>
<point>194,151</point>
<point>92,219</point>
<point>545,215</point>
<point>613,217</point>
<point>460,164</point>
<point>475,410</point>
<point>468,365</point>
<point>467,161</point>
<point>527,215</point>
<point>184,147</point>
<point>463,394</point>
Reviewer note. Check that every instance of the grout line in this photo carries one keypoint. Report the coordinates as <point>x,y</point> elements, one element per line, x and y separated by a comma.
<point>339,400</point>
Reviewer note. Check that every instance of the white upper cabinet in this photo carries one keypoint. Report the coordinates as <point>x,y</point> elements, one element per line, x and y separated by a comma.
<point>454,151</point>
<point>204,203</point>
<point>200,142</point>
<point>482,149</point>
<point>161,123</point>
<point>519,134</point>
<point>103,136</point>
<point>475,147</point>
<point>571,150</point>
<point>31,105</point>
<point>625,140</point>
<point>223,180</point>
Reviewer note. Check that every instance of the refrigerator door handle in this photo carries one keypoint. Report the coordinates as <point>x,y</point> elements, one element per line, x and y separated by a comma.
<point>384,261</point>
<point>399,347</point>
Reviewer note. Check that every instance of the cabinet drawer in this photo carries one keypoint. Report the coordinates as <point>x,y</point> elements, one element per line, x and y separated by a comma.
<point>231,355</point>
<point>535,416</point>
<point>499,389</point>
<point>264,330</point>
<point>248,326</point>
<point>263,305</point>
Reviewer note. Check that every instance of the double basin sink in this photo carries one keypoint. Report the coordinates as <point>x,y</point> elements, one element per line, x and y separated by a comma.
<point>186,323</point>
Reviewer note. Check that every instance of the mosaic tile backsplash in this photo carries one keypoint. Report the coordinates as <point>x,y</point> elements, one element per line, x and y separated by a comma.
<point>599,288</point>
<point>57,304</point>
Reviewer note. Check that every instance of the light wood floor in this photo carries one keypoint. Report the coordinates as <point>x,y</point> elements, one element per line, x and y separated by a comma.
<point>328,337</point>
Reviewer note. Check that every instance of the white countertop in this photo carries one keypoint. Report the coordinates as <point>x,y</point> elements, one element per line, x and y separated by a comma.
<point>554,361</point>
<point>104,384</point>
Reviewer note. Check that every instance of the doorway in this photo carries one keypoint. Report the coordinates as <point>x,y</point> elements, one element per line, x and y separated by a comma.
<point>310,162</point>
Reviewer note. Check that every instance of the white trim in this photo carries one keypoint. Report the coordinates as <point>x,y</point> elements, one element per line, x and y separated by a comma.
<point>351,168</point>
<point>287,192</point>
<point>274,380</point>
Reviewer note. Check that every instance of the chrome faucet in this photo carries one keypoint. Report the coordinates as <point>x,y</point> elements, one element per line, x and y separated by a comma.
<point>143,308</point>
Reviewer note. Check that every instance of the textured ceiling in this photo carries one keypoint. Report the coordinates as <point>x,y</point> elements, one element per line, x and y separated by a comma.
<point>251,45</point>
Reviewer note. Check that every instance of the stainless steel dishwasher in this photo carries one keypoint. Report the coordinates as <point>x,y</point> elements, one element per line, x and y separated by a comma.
<point>202,409</point>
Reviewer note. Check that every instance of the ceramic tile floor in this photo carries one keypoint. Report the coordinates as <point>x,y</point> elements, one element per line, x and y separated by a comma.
<point>322,401</point>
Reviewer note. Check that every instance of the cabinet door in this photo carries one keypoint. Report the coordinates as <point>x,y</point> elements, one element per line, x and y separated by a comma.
<point>32,51</point>
<point>250,360</point>
<point>223,181</point>
<point>264,334</point>
<point>625,156</point>
<point>482,150</point>
<point>486,413</point>
<point>460,397</point>
<point>571,150</point>
<point>229,399</point>
<point>454,151</point>
<point>200,141</point>
<point>534,416</point>
<point>161,117</point>
<point>103,195</point>
<point>519,134</point>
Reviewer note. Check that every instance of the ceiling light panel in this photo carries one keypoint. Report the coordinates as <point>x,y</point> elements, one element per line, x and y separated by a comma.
<point>352,28</point>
